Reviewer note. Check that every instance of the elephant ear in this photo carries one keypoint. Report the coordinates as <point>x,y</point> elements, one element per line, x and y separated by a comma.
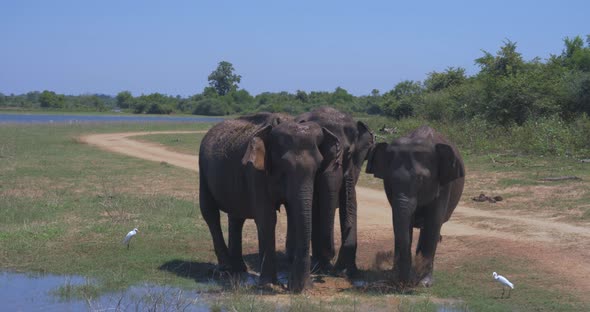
<point>256,153</point>
<point>449,166</point>
<point>330,149</point>
<point>377,160</point>
<point>366,138</point>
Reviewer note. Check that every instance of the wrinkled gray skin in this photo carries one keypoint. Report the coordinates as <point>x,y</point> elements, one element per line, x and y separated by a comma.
<point>423,176</point>
<point>336,188</point>
<point>248,167</point>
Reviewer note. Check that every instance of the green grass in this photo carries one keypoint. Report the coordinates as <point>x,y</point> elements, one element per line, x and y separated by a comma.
<point>187,143</point>
<point>531,292</point>
<point>518,178</point>
<point>66,207</point>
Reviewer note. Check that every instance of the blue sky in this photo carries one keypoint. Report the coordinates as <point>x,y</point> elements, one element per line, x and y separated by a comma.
<point>170,47</point>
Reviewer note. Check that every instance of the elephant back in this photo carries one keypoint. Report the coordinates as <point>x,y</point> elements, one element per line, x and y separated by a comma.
<point>266,118</point>
<point>227,139</point>
<point>230,138</point>
<point>339,123</point>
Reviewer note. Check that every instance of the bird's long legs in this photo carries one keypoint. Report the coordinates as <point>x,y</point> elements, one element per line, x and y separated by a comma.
<point>504,290</point>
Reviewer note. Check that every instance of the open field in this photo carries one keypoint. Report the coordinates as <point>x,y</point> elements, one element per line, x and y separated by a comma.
<point>68,204</point>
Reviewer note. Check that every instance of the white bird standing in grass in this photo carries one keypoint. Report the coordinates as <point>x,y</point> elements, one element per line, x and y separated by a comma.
<point>129,236</point>
<point>505,282</point>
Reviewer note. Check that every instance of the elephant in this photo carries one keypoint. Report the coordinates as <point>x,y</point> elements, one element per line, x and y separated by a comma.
<point>248,168</point>
<point>337,188</point>
<point>423,176</point>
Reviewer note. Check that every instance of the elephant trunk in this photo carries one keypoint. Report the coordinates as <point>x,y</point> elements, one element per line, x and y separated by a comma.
<point>327,192</point>
<point>300,203</point>
<point>403,209</point>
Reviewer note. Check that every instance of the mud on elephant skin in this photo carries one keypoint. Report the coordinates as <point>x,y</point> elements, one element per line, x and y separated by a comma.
<point>250,166</point>
<point>337,188</point>
<point>423,176</point>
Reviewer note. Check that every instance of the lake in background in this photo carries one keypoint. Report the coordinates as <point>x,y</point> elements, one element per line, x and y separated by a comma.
<point>73,119</point>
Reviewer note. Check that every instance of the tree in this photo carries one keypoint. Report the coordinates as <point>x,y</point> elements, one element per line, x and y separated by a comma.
<point>223,78</point>
<point>575,55</point>
<point>506,62</point>
<point>50,99</point>
<point>124,99</point>
<point>301,96</point>
<point>399,102</point>
<point>155,103</point>
<point>341,96</point>
<point>450,77</point>
<point>211,107</point>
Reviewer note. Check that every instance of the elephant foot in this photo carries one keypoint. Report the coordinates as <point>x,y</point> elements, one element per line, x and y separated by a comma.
<point>345,270</point>
<point>348,271</point>
<point>298,288</point>
<point>266,280</point>
<point>235,267</point>
<point>427,281</point>
<point>407,281</point>
<point>238,267</point>
<point>321,267</point>
<point>223,268</point>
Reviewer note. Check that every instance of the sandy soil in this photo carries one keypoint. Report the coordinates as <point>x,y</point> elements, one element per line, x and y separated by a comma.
<point>549,244</point>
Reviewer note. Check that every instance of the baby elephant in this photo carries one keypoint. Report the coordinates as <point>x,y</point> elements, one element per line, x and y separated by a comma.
<point>423,176</point>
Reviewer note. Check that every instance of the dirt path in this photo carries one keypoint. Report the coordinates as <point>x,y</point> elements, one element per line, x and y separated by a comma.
<point>375,208</point>
<point>510,231</point>
<point>120,143</point>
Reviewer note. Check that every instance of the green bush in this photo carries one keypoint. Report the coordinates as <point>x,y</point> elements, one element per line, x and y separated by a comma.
<point>212,107</point>
<point>436,106</point>
<point>542,136</point>
<point>156,108</point>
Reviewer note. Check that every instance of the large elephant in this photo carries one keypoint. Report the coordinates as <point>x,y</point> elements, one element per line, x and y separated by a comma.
<point>423,176</point>
<point>251,165</point>
<point>336,188</point>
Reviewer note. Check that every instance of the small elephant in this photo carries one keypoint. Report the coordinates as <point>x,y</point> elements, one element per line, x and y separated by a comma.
<point>423,176</point>
<point>337,188</point>
<point>251,165</point>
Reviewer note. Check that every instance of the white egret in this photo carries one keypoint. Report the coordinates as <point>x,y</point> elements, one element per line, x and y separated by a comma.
<point>505,282</point>
<point>129,236</point>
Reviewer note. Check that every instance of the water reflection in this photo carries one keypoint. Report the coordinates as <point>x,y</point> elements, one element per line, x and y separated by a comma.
<point>36,292</point>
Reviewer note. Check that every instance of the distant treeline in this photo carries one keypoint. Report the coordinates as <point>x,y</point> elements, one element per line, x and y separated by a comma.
<point>506,90</point>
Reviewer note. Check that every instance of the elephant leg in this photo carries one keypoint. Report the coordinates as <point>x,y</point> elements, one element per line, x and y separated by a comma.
<point>426,249</point>
<point>210,212</point>
<point>266,223</point>
<point>348,228</point>
<point>326,198</point>
<point>316,238</point>
<point>235,244</point>
<point>290,242</point>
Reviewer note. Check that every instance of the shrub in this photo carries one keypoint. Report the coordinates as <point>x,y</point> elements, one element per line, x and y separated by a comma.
<point>212,107</point>
<point>157,108</point>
